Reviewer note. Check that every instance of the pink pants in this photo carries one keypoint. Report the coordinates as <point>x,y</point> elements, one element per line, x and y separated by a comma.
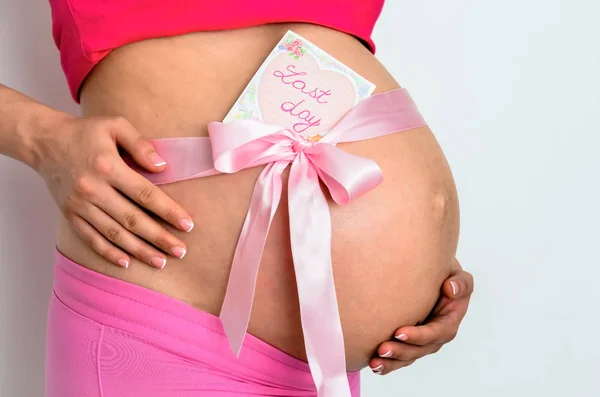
<point>111,338</point>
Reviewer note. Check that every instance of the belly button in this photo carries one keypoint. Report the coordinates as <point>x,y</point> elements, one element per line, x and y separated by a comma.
<point>440,205</point>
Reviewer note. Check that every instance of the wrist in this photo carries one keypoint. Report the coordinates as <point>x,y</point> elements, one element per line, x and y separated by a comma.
<point>24,124</point>
<point>32,130</point>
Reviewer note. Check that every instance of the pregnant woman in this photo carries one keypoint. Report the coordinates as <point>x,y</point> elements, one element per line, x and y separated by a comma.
<point>141,270</point>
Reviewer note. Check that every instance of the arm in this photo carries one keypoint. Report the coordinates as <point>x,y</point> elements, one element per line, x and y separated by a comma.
<point>78,158</point>
<point>20,118</point>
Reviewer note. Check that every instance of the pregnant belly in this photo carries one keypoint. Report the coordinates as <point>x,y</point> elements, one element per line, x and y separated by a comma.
<point>391,248</point>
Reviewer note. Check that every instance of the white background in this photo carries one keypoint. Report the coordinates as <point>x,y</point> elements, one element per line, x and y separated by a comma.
<point>512,90</point>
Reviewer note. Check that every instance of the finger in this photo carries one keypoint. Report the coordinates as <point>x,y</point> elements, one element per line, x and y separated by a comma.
<point>438,330</point>
<point>405,352</point>
<point>140,148</point>
<point>458,286</point>
<point>149,196</point>
<point>383,366</point>
<point>98,243</point>
<point>456,266</point>
<point>138,222</point>
<point>116,234</point>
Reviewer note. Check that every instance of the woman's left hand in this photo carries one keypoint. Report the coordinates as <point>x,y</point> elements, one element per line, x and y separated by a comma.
<point>441,326</point>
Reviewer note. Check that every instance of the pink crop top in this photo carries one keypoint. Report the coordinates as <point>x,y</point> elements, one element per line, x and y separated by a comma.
<point>85,31</point>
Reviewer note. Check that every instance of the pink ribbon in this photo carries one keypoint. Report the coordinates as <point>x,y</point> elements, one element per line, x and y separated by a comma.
<point>246,144</point>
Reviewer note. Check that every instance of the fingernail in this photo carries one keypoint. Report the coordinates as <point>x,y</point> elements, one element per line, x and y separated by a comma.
<point>386,354</point>
<point>123,262</point>
<point>378,369</point>
<point>401,337</point>
<point>186,225</point>
<point>454,287</point>
<point>156,159</point>
<point>178,252</point>
<point>157,261</point>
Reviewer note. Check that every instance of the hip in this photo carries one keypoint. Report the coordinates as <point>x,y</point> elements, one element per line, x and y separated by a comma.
<point>106,336</point>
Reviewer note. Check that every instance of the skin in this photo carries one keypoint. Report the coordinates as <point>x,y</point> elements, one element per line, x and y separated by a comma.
<point>414,342</point>
<point>78,159</point>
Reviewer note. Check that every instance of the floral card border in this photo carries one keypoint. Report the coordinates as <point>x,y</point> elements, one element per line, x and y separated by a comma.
<point>246,107</point>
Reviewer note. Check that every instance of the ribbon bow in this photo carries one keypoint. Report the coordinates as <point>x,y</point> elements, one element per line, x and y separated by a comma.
<point>249,143</point>
<point>346,176</point>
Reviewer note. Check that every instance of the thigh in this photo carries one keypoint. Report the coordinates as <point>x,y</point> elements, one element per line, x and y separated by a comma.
<point>71,353</point>
<point>87,359</point>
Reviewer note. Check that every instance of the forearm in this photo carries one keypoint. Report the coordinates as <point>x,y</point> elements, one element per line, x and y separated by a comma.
<point>22,120</point>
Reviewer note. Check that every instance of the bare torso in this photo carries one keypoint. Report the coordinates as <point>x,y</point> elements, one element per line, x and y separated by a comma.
<point>392,248</point>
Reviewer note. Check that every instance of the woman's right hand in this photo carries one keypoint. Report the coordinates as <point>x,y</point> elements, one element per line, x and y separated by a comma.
<point>97,192</point>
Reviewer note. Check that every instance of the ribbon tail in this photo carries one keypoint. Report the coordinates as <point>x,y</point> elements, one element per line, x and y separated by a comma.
<point>237,305</point>
<point>310,232</point>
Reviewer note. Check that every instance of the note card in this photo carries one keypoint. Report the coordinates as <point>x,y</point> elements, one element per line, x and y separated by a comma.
<point>300,87</point>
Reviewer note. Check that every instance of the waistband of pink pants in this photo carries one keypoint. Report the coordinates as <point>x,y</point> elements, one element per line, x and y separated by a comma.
<point>177,327</point>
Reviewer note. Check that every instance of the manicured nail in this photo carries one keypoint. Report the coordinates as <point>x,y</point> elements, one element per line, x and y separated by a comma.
<point>157,261</point>
<point>123,262</point>
<point>378,369</point>
<point>186,225</point>
<point>454,287</point>
<point>386,354</point>
<point>178,252</point>
<point>156,159</point>
<point>401,337</point>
